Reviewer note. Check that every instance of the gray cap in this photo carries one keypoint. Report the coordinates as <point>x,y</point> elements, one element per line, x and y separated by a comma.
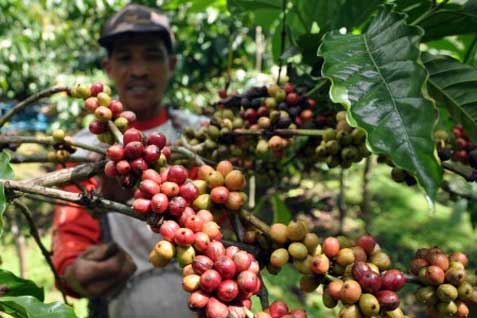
<point>136,18</point>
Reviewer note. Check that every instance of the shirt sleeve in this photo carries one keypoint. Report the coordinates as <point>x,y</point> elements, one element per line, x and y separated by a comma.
<point>74,230</point>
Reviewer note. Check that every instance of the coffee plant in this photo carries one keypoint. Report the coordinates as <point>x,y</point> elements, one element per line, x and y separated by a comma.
<point>349,95</point>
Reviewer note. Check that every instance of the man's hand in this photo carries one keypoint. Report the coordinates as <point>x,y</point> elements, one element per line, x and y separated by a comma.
<point>101,270</point>
<point>112,190</point>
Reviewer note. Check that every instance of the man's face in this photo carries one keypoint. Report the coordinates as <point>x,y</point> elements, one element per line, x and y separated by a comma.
<point>140,68</point>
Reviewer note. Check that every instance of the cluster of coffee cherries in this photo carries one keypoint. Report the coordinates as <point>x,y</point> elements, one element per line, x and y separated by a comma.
<point>361,278</point>
<point>276,108</point>
<point>61,149</point>
<point>294,243</point>
<point>279,309</point>
<point>263,109</point>
<point>447,286</point>
<point>137,158</point>
<point>213,139</point>
<point>463,149</point>
<point>220,280</point>
<point>97,100</point>
<point>342,146</point>
<point>173,189</point>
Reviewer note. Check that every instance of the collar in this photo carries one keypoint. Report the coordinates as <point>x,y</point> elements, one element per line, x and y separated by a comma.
<point>151,122</point>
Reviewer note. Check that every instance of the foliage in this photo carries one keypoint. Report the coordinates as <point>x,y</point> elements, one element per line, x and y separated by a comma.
<point>43,43</point>
<point>389,63</point>
<point>30,307</point>
<point>452,84</point>
<point>16,286</point>
<point>6,172</point>
<point>358,63</point>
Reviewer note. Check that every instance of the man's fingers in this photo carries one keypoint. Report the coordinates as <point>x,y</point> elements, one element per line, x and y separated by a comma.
<point>87,270</point>
<point>112,285</point>
<point>101,252</point>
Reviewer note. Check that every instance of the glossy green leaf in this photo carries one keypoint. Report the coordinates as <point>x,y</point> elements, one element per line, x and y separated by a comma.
<point>452,19</point>
<point>379,78</point>
<point>454,84</point>
<point>16,286</point>
<point>281,212</point>
<point>6,172</point>
<point>30,307</point>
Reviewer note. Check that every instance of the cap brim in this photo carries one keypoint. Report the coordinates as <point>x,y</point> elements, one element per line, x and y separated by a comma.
<point>107,40</point>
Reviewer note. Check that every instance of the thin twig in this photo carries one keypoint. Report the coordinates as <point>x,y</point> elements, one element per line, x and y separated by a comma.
<point>237,226</point>
<point>429,12</point>
<point>6,139</point>
<point>251,192</point>
<point>78,198</point>
<point>365,205</point>
<point>66,176</point>
<point>46,199</point>
<point>18,107</point>
<point>228,75</point>
<point>87,147</point>
<point>116,133</point>
<point>189,154</point>
<point>255,221</point>
<point>259,48</point>
<point>263,294</point>
<point>470,52</point>
<point>467,172</point>
<point>340,201</point>
<point>412,279</point>
<point>283,38</point>
<point>36,236</point>
<point>186,144</point>
<point>43,158</point>
<point>279,132</point>
<point>321,82</point>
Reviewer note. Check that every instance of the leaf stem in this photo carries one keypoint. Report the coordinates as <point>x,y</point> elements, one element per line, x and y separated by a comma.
<point>36,236</point>
<point>43,158</point>
<point>263,294</point>
<point>117,134</point>
<point>255,221</point>
<point>283,38</point>
<point>429,12</point>
<point>321,82</point>
<point>340,200</point>
<point>189,154</point>
<point>471,51</point>
<point>252,192</point>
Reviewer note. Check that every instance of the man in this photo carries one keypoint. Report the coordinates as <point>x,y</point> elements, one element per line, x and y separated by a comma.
<point>140,62</point>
